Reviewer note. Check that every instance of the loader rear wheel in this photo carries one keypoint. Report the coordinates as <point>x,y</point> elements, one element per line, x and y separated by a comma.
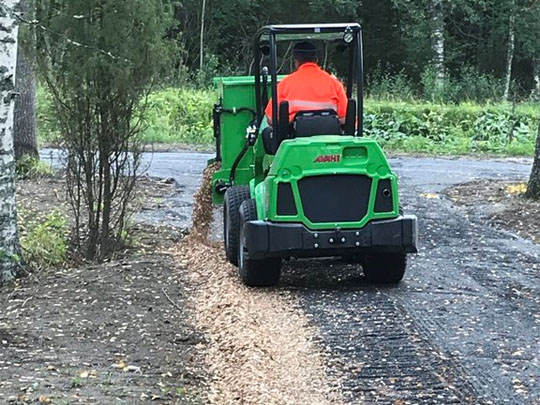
<point>385,268</point>
<point>254,273</point>
<point>234,197</point>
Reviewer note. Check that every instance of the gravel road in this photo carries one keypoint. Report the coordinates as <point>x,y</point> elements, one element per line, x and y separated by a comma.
<point>463,327</point>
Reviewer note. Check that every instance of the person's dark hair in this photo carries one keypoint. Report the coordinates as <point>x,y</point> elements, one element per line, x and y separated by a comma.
<point>305,52</point>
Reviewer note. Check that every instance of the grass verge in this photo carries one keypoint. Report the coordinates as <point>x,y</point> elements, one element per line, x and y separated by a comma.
<point>183,116</point>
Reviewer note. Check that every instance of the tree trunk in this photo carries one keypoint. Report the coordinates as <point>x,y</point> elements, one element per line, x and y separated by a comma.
<point>437,43</point>
<point>201,56</point>
<point>510,50</point>
<point>25,129</point>
<point>535,94</point>
<point>533,189</point>
<point>9,240</point>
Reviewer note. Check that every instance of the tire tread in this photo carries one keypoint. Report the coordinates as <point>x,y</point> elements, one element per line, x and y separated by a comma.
<point>234,196</point>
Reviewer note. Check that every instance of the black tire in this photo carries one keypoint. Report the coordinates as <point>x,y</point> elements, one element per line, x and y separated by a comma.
<point>234,196</point>
<point>385,268</point>
<point>254,273</point>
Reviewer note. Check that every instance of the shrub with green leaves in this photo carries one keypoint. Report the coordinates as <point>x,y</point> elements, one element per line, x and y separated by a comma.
<point>29,167</point>
<point>452,129</point>
<point>184,116</point>
<point>469,85</point>
<point>180,116</point>
<point>387,86</point>
<point>48,127</point>
<point>44,243</point>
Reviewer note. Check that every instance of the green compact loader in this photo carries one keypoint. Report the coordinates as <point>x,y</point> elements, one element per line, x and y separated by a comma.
<point>313,188</point>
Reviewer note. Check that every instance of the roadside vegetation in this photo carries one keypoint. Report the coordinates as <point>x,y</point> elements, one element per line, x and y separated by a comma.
<point>44,241</point>
<point>412,125</point>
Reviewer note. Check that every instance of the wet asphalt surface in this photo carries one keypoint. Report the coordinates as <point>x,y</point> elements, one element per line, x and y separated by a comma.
<point>463,326</point>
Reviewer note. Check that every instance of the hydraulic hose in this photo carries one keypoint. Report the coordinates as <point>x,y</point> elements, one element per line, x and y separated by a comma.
<point>218,110</point>
<point>237,161</point>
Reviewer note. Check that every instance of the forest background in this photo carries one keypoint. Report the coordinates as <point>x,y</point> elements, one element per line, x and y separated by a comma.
<point>449,77</point>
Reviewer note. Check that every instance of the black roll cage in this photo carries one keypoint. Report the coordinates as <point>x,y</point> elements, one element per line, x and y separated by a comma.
<point>309,31</point>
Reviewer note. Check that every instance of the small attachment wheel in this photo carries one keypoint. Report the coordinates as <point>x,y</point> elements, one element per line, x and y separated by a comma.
<point>254,273</point>
<point>234,196</point>
<point>386,268</point>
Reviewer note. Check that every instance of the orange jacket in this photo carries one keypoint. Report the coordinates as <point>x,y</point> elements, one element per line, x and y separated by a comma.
<point>311,88</point>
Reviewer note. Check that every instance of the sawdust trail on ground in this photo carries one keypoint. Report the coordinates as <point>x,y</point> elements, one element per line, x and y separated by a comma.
<point>261,349</point>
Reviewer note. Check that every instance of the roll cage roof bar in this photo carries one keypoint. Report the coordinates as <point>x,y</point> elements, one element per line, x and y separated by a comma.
<point>275,33</point>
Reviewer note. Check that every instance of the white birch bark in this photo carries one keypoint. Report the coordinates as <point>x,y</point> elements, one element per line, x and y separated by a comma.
<point>9,240</point>
<point>437,42</point>
<point>535,94</point>
<point>203,14</point>
<point>510,50</point>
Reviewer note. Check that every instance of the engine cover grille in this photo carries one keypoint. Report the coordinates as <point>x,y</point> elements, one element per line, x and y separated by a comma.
<point>335,198</point>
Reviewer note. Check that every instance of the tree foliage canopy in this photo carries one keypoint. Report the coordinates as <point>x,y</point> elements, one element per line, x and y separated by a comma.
<point>99,59</point>
<point>397,33</point>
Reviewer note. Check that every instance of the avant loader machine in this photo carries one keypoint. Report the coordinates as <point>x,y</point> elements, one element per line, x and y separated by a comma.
<point>315,188</point>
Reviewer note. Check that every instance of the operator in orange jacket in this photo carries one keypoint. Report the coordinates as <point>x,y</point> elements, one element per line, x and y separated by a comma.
<point>310,88</point>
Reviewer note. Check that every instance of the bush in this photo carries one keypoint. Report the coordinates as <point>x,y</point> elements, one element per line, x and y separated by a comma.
<point>180,116</point>
<point>470,85</point>
<point>386,86</point>
<point>97,90</point>
<point>173,116</point>
<point>184,116</point>
<point>48,127</point>
<point>29,167</point>
<point>458,129</point>
<point>45,244</point>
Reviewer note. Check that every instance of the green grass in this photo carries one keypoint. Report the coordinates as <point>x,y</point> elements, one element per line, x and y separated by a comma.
<point>44,241</point>
<point>183,116</point>
<point>500,129</point>
<point>180,116</point>
<point>29,167</point>
<point>172,116</point>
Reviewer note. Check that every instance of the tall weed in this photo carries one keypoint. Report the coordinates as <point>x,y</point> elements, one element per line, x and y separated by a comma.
<point>469,85</point>
<point>386,86</point>
<point>179,116</point>
<point>44,243</point>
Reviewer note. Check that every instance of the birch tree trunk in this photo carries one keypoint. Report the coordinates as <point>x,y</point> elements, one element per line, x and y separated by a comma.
<point>535,94</point>
<point>25,130</point>
<point>203,14</point>
<point>510,50</point>
<point>533,189</point>
<point>9,240</point>
<point>437,43</point>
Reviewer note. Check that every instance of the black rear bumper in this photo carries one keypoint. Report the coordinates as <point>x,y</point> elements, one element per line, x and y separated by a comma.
<point>268,239</point>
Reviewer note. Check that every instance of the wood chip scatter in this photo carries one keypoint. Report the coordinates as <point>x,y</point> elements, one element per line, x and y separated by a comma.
<point>202,208</point>
<point>261,349</point>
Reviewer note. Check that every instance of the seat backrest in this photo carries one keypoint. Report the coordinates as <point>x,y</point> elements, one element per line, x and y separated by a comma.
<point>319,122</point>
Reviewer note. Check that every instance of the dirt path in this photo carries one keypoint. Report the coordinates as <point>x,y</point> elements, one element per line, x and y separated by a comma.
<point>261,348</point>
<point>104,334</point>
<point>112,333</point>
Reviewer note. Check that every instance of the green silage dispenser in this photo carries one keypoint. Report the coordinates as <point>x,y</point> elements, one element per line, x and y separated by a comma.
<point>313,188</point>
